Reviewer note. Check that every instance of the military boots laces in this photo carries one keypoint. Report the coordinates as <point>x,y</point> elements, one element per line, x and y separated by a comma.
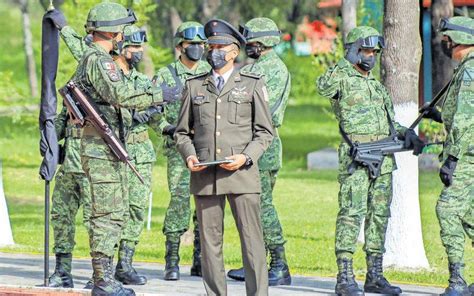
<point>172,260</point>
<point>104,282</point>
<point>62,278</point>
<point>457,284</point>
<point>346,284</point>
<point>196,267</point>
<point>124,271</point>
<point>279,273</point>
<point>375,282</point>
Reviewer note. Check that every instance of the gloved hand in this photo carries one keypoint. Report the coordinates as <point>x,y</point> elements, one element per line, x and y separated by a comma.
<point>447,170</point>
<point>144,116</point>
<point>169,130</point>
<point>170,94</point>
<point>431,113</point>
<point>352,54</point>
<point>58,18</point>
<point>412,141</point>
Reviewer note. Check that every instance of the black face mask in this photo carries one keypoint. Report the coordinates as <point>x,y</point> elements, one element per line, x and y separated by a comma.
<point>135,59</point>
<point>446,48</point>
<point>216,58</point>
<point>367,63</point>
<point>194,52</point>
<point>253,51</point>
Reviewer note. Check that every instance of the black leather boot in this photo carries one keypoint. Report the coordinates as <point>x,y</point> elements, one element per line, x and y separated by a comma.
<point>237,274</point>
<point>124,271</point>
<point>104,282</point>
<point>375,282</point>
<point>346,284</point>
<point>62,278</point>
<point>89,285</point>
<point>457,284</point>
<point>279,273</point>
<point>196,267</point>
<point>172,259</point>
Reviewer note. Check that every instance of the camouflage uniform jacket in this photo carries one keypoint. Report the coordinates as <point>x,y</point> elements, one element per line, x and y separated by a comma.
<point>104,83</point>
<point>360,104</point>
<point>140,81</point>
<point>278,82</point>
<point>74,42</point>
<point>458,112</point>
<point>170,116</point>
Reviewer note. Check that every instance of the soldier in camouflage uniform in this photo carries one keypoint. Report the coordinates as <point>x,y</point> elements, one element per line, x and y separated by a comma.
<point>104,83</point>
<point>189,41</point>
<point>455,208</point>
<point>365,113</point>
<point>262,35</point>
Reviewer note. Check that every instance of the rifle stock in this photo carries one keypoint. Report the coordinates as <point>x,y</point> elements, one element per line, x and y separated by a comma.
<point>83,109</point>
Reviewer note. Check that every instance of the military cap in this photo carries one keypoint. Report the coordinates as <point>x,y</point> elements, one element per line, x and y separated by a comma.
<point>459,28</point>
<point>221,32</point>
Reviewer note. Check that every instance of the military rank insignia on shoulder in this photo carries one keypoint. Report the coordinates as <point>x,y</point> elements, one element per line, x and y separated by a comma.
<point>110,68</point>
<point>251,75</point>
<point>197,76</point>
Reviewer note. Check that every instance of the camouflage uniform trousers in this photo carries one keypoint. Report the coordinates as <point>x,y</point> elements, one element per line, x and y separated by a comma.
<point>138,195</point>
<point>455,210</point>
<point>272,230</point>
<point>109,201</point>
<point>362,198</point>
<point>179,209</point>
<point>70,192</point>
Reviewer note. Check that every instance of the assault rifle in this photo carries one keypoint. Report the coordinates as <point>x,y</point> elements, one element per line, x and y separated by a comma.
<point>371,154</point>
<point>81,109</point>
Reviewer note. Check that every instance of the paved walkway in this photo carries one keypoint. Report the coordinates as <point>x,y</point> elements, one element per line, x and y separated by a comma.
<point>17,270</point>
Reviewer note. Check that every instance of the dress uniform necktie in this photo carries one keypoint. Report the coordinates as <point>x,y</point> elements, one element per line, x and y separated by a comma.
<point>220,83</point>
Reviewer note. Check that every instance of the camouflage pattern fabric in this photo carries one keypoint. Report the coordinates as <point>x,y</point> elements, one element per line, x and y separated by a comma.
<point>455,207</point>
<point>278,83</point>
<point>71,188</point>
<point>179,209</point>
<point>143,156</point>
<point>360,105</point>
<point>107,176</point>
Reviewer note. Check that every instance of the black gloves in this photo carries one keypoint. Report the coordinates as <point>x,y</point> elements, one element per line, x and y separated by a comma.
<point>170,94</point>
<point>447,170</point>
<point>352,54</point>
<point>144,116</point>
<point>169,130</point>
<point>412,141</point>
<point>58,18</point>
<point>431,113</point>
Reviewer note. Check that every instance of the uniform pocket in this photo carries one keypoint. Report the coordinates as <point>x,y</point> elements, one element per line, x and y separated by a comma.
<point>201,106</point>
<point>203,154</point>
<point>240,108</point>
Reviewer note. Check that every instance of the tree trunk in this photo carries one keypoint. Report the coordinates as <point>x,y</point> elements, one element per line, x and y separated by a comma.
<point>400,67</point>
<point>175,21</point>
<point>209,9</point>
<point>349,16</point>
<point>28,45</point>
<point>442,65</point>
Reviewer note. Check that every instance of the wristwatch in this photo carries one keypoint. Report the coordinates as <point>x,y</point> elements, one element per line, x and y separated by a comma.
<point>248,160</point>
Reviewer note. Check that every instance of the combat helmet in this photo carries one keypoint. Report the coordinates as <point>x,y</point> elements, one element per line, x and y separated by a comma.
<point>133,35</point>
<point>263,30</point>
<point>459,28</point>
<point>109,17</point>
<point>369,36</point>
<point>190,32</point>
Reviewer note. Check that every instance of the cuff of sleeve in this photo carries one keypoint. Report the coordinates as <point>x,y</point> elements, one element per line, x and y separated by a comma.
<point>253,152</point>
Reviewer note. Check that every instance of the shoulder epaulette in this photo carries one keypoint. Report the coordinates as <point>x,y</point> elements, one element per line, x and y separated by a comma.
<point>251,75</point>
<point>197,76</point>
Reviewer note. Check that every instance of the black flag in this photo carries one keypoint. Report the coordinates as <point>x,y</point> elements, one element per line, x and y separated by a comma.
<point>49,65</point>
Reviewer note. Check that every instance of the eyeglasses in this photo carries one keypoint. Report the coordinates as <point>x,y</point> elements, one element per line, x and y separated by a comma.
<point>136,37</point>
<point>191,33</point>
<point>445,25</point>
<point>373,41</point>
<point>248,34</point>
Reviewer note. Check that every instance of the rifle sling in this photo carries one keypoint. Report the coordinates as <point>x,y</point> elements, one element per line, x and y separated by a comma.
<point>174,74</point>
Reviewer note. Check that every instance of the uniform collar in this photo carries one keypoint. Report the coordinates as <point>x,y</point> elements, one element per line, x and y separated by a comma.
<point>98,48</point>
<point>267,56</point>
<point>181,69</point>
<point>226,75</point>
<point>351,70</point>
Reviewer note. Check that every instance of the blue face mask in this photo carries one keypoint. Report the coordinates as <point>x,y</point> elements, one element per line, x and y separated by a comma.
<point>216,58</point>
